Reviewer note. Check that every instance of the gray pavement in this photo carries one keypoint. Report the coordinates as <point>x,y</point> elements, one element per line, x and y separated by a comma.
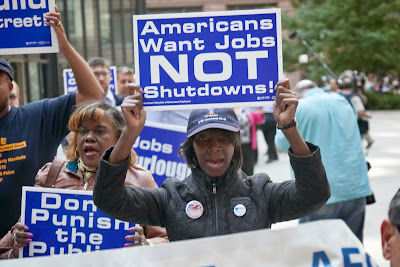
<point>384,157</point>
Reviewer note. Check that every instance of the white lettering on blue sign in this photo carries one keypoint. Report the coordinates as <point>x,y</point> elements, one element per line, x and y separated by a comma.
<point>67,221</point>
<point>41,248</point>
<point>193,60</point>
<point>163,167</point>
<point>153,145</point>
<point>19,22</point>
<point>22,5</point>
<point>162,92</point>
<point>220,26</point>
<point>182,76</point>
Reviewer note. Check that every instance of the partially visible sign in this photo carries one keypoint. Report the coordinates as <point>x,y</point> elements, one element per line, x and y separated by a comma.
<point>22,28</point>
<point>67,222</point>
<point>157,148</point>
<point>208,59</point>
<point>70,83</point>
<point>315,244</point>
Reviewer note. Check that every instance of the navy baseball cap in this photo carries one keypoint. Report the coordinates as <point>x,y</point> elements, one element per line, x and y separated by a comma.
<point>202,119</point>
<point>6,67</point>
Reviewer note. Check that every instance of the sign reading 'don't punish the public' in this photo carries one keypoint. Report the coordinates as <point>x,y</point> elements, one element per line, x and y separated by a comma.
<point>208,59</point>
<point>22,28</point>
<point>66,221</point>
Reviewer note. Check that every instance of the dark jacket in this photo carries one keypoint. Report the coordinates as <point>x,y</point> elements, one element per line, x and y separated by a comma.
<point>118,99</point>
<point>265,202</point>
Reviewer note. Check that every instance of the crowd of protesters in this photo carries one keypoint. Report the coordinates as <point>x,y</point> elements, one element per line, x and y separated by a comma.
<point>318,129</point>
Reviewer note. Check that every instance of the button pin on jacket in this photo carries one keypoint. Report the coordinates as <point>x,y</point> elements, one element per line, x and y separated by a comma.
<point>239,210</point>
<point>194,209</point>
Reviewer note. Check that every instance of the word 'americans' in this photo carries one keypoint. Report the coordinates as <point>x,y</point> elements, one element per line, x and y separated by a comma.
<point>151,40</point>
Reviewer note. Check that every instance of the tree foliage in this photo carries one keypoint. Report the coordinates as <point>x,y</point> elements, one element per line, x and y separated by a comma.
<point>346,34</point>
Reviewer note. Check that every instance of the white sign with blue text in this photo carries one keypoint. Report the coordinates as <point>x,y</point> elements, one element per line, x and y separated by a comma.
<point>22,28</point>
<point>324,243</point>
<point>70,83</point>
<point>66,221</point>
<point>157,148</point>
<point>208,59</point>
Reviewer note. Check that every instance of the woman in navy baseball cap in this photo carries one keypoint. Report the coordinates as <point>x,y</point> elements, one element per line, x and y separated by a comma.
<point>217,197</point>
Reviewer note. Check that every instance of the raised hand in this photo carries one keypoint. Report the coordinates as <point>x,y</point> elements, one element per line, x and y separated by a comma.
<point>285,104</point>
<point>134,118</point>
<point>132,109</point>
<point>56,23</point>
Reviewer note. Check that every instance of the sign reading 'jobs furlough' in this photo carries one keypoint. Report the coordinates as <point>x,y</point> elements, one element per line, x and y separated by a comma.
<point>22,28</point>
<point>157,149</point>
<point>208,59</point>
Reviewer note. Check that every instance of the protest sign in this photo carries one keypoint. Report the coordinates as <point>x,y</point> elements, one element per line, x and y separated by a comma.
<point>22,28</point>
<point>67,222</point>
<point>325,243</point>
<point>157,148</point>
<point>208,59</point>
<point>70,83</point>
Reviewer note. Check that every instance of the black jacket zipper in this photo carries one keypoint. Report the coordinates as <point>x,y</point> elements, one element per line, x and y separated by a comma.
<point>216,213</point>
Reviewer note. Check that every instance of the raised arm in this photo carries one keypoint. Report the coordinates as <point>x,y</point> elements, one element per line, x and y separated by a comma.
<point>88,86</point>
<point>285,106</point>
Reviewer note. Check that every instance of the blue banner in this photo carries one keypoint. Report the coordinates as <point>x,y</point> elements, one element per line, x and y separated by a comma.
<point>22,28</point>
<point>208,59</point>
<point>70,83</point>
<point>67,222</point>
<point>157,148</point>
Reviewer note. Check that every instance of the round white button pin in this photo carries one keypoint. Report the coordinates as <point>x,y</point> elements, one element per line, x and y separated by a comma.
<point>194,209</point>
<point>239,210</point>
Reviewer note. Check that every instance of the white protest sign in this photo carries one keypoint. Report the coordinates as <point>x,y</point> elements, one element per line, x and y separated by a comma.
<point>320,244</point>
<point>22,28</point>
<point>208,59</point>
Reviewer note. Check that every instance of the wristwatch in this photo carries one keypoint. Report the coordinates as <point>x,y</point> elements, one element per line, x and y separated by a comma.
<point>290,125</point>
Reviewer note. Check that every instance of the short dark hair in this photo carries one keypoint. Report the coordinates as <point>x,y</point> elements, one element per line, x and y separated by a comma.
<point>394,210</point>
<point>186,151</point>
<point>98,61</point>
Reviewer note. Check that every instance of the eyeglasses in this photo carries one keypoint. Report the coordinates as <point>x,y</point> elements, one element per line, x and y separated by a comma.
<point>101,74</point>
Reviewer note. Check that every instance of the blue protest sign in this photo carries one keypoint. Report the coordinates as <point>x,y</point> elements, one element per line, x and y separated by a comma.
<point>157,149</point>
<point>70,84</point>
<point>208,59</point>
<point>22,28</point>
<point>67,222</point>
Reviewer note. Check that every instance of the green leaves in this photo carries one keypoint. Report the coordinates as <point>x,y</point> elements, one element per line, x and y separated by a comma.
<point>347,34</point>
